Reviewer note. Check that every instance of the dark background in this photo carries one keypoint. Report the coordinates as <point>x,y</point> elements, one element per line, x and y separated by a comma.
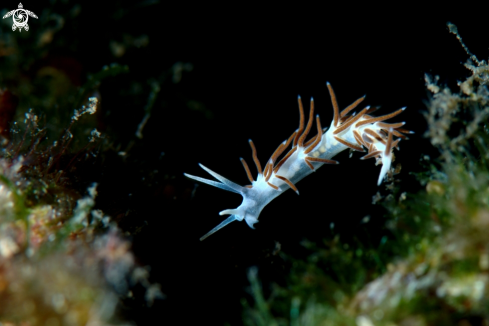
<point>249,65</point>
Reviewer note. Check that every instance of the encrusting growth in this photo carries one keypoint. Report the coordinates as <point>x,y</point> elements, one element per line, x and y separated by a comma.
<point>354,131</point>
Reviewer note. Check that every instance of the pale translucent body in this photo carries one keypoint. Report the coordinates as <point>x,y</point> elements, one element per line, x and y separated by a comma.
<point>295,169</point>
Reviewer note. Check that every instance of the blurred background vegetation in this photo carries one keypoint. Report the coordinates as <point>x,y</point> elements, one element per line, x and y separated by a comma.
<point>104,106</point>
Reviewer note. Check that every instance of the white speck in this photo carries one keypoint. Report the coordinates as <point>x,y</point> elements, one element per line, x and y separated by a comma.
<point>364,321</point>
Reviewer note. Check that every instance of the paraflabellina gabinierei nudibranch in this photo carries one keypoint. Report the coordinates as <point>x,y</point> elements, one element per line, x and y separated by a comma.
<point>347,130</point>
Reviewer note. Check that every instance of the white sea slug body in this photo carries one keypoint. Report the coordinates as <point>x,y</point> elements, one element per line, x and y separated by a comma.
<point>355,131</point>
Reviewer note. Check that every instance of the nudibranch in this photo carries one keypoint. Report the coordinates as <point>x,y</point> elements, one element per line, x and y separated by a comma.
<point>347,131</point>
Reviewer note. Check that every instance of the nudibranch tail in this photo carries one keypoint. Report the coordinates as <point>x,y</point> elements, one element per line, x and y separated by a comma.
<point>386,158</point>
<point>348,130</point>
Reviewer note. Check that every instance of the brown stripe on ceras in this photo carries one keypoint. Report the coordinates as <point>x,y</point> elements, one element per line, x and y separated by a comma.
<point>382,133</point>
<point>350,122</point>
<point>287,143</point>
<point>405,131</point>
<point>318,137</point>
<point>273,186</point>
<point>381,118</point>
<point>346,118</point>
<point>255,157</point>
<point>287,181</point>
<point>316,159</point>
<point>370,147</point>
<point>309,142</point>
<point>351,106</point>
<point>301,121</point>
<point>375,135</point>
<point>280,149</point>
<point>398,134</point>
<point>336,114</point>
<point>373,154</point>
<point>396,143</point>
<point>386,126</point>
<point>372,109</point>
<point>284,159</point>
<point>275,155</point>
<point>367,139</point>
<point>347,143</point>
<point>310,165</point>
<point>291,138</point>
<point>388,146</point>
<point>247,169</point>
<point>309,125</point>
<point>358,138</point>
<point>267,172</point>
